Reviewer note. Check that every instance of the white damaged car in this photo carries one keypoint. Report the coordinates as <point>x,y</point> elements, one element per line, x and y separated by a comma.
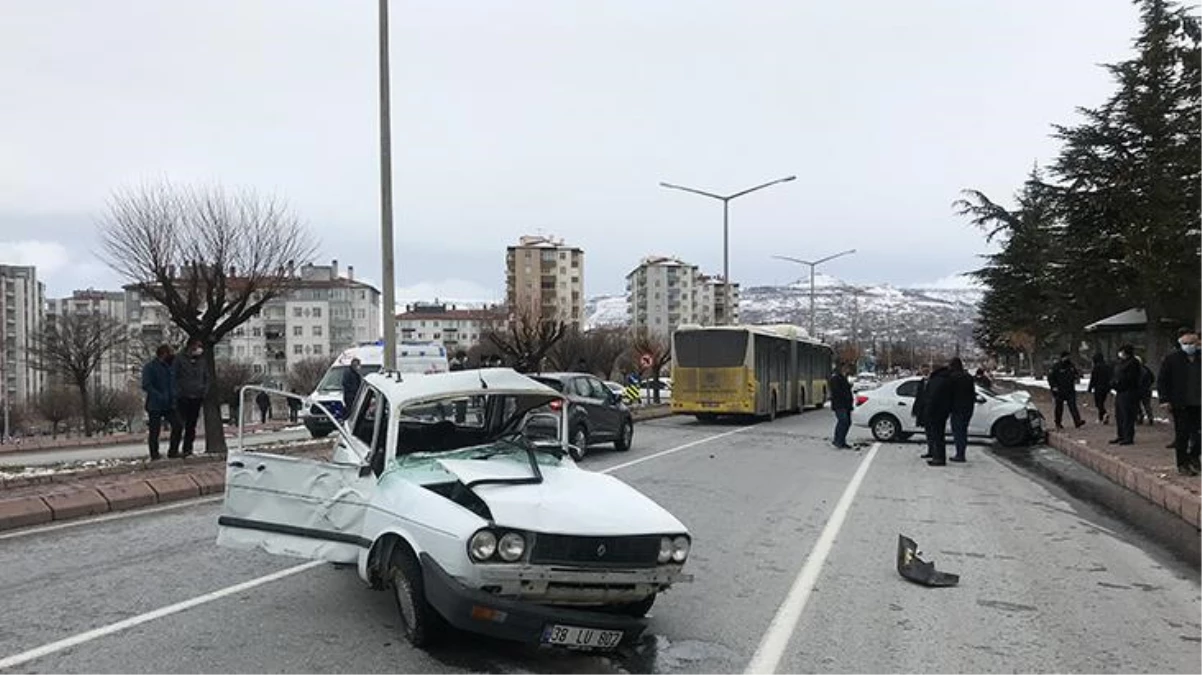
<point>457,493</point>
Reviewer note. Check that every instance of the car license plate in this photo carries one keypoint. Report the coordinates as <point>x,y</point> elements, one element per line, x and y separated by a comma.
<point>576,636</point>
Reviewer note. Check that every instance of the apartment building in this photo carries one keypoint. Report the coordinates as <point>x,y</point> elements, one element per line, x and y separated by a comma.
<point>452,327</point>
<point>663,293</point>
<point>22,298</point>
<point>545,275</point>
<point>323,314</point>
<point>119,367</point>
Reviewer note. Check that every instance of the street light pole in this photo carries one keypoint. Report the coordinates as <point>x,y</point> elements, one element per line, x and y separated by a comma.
<point>726,199</point>
<point>386,246</point>
<point>813,264</point>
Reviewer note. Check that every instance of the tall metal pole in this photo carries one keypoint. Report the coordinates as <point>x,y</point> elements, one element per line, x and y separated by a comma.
<point>812,266</point>
<point>386,245</point>
<point>728,314</point>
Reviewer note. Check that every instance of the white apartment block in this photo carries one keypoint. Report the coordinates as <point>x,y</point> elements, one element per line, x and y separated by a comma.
<point>322,315</point>
<point>543,273</point>
<point>118,369</point>
<point>22,297</point>
<point>663,293</point>
<point>453,328</point>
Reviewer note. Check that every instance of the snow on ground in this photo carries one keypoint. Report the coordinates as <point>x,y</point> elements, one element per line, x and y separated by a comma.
<point>606,310</point>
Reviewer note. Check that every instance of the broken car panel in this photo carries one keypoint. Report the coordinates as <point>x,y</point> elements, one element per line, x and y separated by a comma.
<point>457,492</point>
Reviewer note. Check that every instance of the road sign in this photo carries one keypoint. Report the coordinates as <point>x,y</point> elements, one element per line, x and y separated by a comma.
<point>645,360</point>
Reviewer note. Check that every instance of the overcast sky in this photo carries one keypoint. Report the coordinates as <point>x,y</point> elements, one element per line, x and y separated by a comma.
<point>558,116</point>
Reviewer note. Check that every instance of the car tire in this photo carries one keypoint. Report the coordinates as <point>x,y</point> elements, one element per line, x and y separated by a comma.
<point>625,436</point>
<point>885,428</point>
<point>320,433</point>
<point>420,623</point>
<point>1009,432</point>
<point>580,443</point>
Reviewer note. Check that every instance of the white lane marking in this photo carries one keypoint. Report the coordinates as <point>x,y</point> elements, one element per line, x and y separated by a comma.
<point>772,647</point>
<point>88,636</point>
<point>678,448</point>
<point>109,517</point>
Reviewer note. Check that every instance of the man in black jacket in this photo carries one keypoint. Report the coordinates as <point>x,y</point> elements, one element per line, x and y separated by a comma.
<point>352,379</point>
<point>1126,395</point>
<point>1099,383</point>
<point>1063,378</point>
<point>841,403</point>
<point>1181,389</point>
<point>937,407</point>
<point>964,401</point>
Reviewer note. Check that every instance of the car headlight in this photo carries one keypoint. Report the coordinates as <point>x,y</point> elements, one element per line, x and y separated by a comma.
<point>511,547</point>
<point>665,550</point>
<point>483,545</point>
<point>680,549</point>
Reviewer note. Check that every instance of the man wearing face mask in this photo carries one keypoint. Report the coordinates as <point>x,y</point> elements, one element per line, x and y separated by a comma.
<point>1181,390</point>
<point>191,386</point>
<point>1126,395</point>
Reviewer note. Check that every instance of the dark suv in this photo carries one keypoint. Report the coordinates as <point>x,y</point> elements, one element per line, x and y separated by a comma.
<point>598,415</point>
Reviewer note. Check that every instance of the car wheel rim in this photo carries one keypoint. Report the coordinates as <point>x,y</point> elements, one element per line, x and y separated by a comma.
<point>580,440</point>
<point>884,429</point>
<point>628,435</point>
<point>404,600</point>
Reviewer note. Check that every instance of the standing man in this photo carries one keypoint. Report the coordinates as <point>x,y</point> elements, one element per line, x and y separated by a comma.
<point>263,401</point>
<point>841,404</point>
<point>351,381</point>
<point>918,410</point>
<point>191,375</point>
<point>964,400</point>
<point>1100,377</point>
<point>1063,378</point>
<point>157,382</point>
<point>1126,395</point>
<point>937,408</point>
<point>1146,380</point>
<point>458,361</point>
<point>1181,389</point>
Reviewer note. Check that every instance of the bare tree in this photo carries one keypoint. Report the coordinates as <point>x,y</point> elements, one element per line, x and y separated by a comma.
<point>598,350</point>
<point>529,339</point>
<point>110,405</point>
<point>56,405</point>
<point>229,379</point>
<point>73,345</point>
<point>305,374</point>
<point>212,258</point>
<point>656,349</point>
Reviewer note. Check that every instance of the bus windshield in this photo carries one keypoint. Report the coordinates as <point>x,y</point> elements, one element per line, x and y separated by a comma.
<point>332,381</point>
<point>710,348</point>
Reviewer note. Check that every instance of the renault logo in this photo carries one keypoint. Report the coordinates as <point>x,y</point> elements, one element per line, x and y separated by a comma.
<point>601,551</point>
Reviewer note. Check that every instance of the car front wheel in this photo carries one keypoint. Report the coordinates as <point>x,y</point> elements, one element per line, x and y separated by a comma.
<point>420,623</point>
<point>886,428</point>
<point>1009,432</point>
<point>625,437</point>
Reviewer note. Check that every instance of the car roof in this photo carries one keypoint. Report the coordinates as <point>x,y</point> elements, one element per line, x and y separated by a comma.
<point>408,387</point>
<point>561,376</point>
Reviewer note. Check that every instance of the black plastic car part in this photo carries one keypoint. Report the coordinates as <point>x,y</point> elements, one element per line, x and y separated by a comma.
<point>915,569</point>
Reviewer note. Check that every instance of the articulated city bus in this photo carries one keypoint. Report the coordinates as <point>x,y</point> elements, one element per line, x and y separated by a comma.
<point>747,370</point>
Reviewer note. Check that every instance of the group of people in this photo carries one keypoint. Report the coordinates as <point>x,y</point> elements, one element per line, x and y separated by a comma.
<point>175,388</point>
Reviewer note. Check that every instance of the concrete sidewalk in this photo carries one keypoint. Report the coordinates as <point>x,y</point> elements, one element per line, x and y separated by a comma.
<point>35,443</point>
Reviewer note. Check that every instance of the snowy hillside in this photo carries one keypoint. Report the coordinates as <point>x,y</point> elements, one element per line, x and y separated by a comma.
<point>939,316</point>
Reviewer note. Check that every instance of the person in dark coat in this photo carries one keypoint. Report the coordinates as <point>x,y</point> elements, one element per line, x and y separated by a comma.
<point>937,407</point>
<point>1146,381</point>
<point>263,401</point>
<point>352,379</point>
<point>918,410</point>
<point>1100,377</point>
<point>294,406</point>
<point>1181,390</point>
<point>1126,395</point>
<point>841,403</point>
<point>158,383</point>
<point>190,373</point>
<point>1063,378</point>
<point>964,401</point>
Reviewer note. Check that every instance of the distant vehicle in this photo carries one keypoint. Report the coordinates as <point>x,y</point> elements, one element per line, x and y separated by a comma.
<point>1011,419</point>
<point>648,388</point>
<point>412,357</point>
<point>596,415</point>
<point>747,370</point>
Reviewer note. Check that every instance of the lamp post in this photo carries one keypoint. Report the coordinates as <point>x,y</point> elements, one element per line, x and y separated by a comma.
<point>387,270</point>
<point>726,199</point>
<point>812,264</point>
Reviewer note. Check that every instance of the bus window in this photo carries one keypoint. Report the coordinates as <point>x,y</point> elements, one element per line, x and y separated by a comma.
<point>710,349</point>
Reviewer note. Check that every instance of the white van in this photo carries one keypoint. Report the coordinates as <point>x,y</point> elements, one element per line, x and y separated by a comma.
<point>411,357</point>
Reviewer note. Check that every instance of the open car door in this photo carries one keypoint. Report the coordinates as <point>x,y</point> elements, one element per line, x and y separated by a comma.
<point>304,507</point>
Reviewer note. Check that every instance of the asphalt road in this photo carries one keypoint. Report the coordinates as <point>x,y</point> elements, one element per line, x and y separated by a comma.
<point>785,527</point>
<point>130,450</point>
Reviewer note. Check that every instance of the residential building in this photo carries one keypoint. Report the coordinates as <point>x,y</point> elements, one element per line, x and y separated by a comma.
<point>323,314</point>
<point>663,293</point>
<point>22,298</point>
<point>448,325</point>
<point>544,275</point>
<point>119,367</point>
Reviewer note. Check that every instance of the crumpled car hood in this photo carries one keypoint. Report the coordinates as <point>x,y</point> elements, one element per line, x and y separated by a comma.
<point>570,500</point>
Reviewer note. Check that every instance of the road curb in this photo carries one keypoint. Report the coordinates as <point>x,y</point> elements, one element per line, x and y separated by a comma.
<point>1172,498</point>
<point>23,512</point>
<point>651,412</point>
